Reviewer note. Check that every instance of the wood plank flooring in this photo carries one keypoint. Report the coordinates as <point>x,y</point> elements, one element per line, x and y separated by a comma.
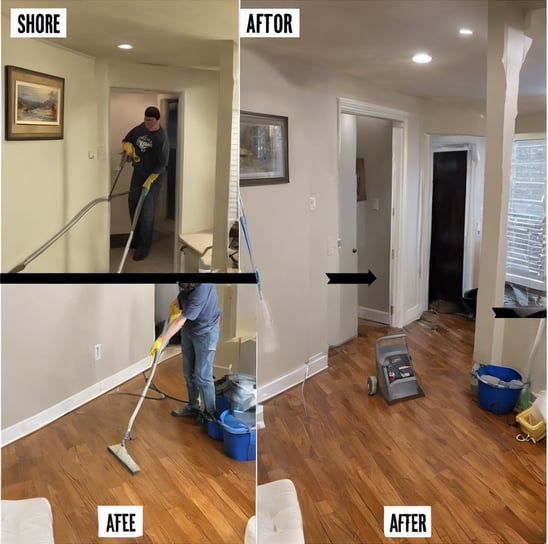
<point>353,453</point>
<point>192,492</point>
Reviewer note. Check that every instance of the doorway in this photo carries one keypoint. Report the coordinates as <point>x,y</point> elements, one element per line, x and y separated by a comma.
<point>473,148</point>
<point>126,111</point>
<point>374,145</point>
<point>343,299</point>
<point>448,227</point>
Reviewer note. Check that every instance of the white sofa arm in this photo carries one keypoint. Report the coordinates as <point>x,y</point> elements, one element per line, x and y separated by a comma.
<point>27,520</point>
<point>279,519</point>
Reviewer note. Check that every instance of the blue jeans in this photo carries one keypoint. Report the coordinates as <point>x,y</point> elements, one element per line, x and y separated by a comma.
<point>198,354</point>
<point>144,230</point>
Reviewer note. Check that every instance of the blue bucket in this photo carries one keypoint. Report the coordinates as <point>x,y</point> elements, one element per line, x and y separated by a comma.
<point>499,400</point>
<point>221,404</point>
<point>239,435</point>
<point>214,430</point>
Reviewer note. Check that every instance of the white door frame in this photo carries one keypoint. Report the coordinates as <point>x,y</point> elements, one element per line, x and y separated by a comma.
<point>399,183</point>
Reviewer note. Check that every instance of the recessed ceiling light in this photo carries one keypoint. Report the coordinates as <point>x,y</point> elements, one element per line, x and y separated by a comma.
<point>466,31</point>
<point>125,46</point>
<point>422,58</point>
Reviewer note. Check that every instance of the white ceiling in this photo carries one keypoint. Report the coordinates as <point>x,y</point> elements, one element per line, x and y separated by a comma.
<point>179,33</point>
<point>369,39</point>
<point>375,39</point>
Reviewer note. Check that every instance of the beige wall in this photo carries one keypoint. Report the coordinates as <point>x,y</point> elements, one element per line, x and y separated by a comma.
<point>48,335</point>
<point>441,117</point>
<point>453,118</point>
<point>531,123</point>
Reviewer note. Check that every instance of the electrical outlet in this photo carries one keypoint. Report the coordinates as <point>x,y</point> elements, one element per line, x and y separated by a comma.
<point>97,352</point>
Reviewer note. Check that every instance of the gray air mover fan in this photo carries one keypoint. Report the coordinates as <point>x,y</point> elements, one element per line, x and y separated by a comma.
<point>395,375</point>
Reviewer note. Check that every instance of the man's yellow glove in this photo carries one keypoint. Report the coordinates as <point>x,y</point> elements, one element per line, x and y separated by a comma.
<point>149,180</point>
<point>156,346</point>
<point>175,312</point>
<point>129,150</point>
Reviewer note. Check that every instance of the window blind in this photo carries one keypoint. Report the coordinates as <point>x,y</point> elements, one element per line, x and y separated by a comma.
<point>526,235</point>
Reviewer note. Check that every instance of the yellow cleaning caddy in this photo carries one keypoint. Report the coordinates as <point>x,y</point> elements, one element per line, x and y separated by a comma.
<point>532,429</point>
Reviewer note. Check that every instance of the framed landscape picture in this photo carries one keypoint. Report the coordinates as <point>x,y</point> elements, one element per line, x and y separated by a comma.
<point>34,105</point>
<point>263,149</point>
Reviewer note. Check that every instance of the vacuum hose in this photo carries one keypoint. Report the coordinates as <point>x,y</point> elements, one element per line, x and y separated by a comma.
<point>22,265</point>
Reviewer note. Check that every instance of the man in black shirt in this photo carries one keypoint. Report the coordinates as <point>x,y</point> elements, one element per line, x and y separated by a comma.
<point>147,146</point>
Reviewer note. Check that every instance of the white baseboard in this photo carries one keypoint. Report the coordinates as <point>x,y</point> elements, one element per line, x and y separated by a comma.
<point>316,364</point>
<point>374,315</point>
<point>33,423</point>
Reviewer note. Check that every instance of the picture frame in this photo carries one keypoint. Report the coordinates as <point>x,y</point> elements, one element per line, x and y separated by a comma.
<point>360,179</point>
<point>34,105</point>
<point>263,149</point>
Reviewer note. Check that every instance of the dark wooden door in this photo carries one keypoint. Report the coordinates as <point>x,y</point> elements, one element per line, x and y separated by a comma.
<point>448,213</point>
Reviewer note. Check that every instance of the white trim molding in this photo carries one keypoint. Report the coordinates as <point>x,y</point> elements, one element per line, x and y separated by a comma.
<point>315,364</point>
<point>356,107</point>
<point>371,314</point>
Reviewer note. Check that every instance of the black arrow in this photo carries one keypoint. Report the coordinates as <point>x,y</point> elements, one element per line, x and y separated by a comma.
<point>507,312</point>
<point>78,278</point>
<point>345,278</point>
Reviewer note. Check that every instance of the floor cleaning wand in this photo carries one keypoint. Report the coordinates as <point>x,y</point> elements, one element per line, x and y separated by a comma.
<point>131,155</point>
<point>144,192</point>
<point>243,223</point>
<point>269,340</point>
<point>120,450</point>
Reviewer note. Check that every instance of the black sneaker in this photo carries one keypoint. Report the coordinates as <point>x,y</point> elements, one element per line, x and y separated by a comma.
<point>186,410</point>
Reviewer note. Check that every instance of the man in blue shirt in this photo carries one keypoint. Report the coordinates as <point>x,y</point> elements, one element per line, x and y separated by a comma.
<point>195,312</point>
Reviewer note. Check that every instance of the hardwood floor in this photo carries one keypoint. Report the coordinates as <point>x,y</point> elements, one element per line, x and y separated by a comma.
<point>353,453</point>
<point>192,492</point>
